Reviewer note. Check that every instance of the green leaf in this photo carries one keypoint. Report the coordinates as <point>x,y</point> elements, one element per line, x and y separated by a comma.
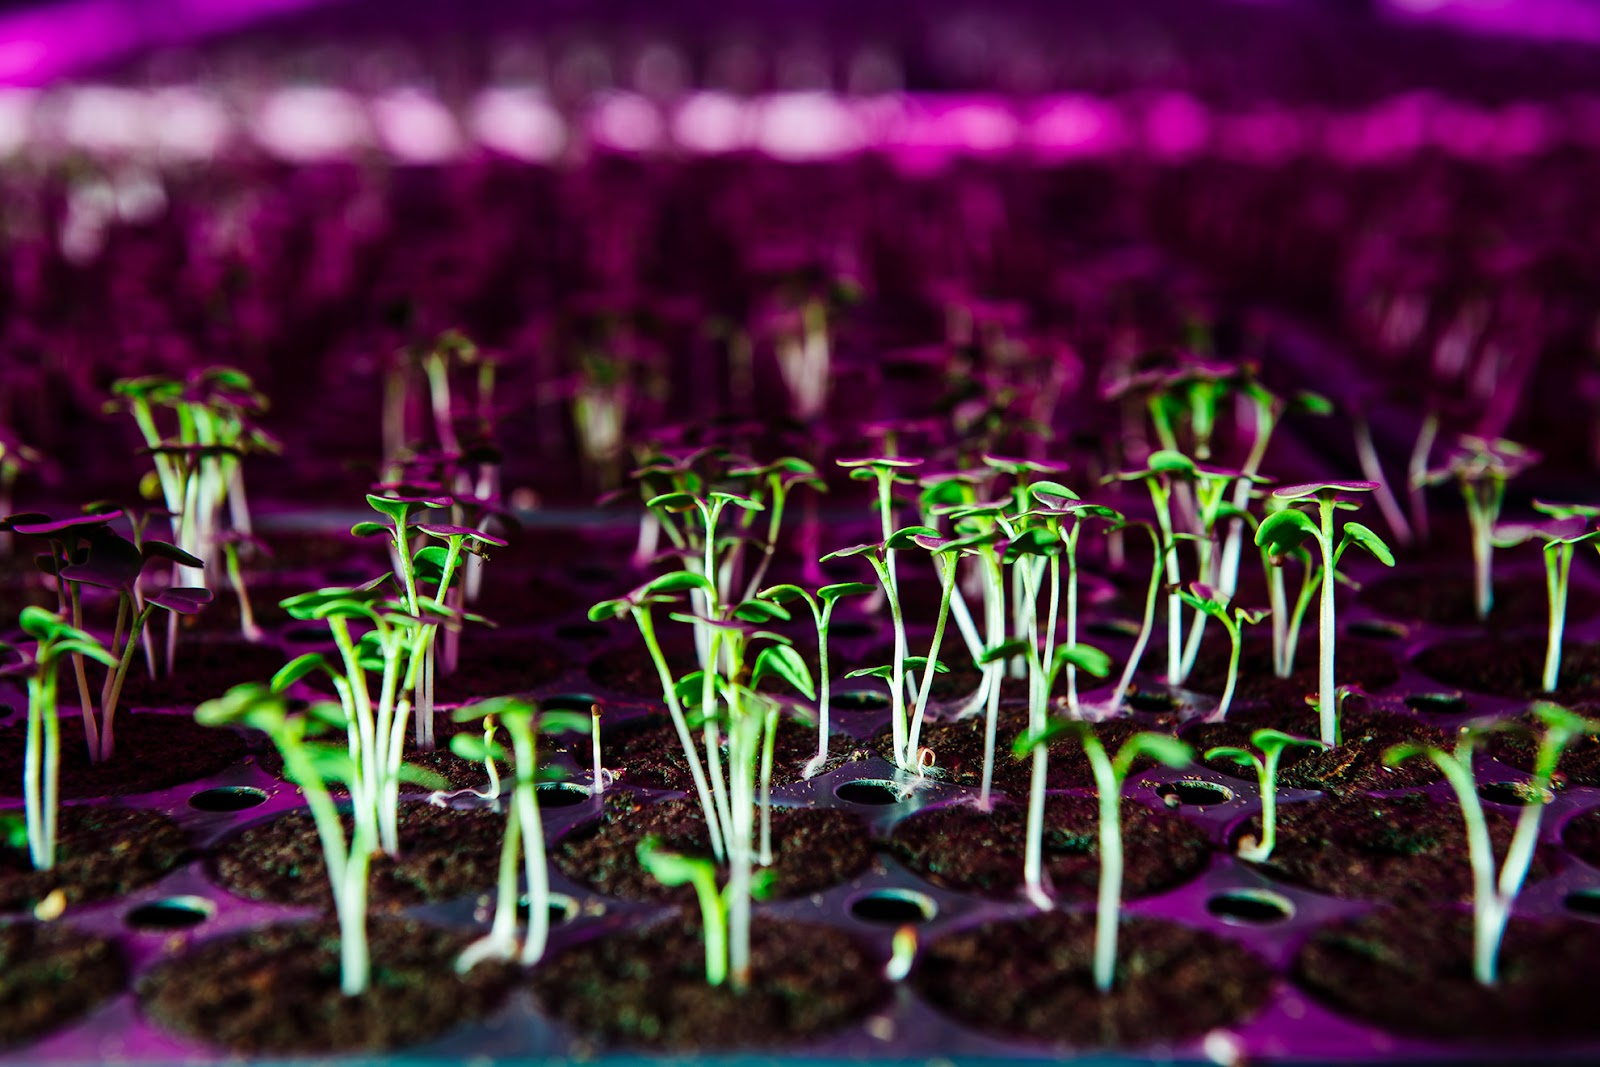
<point>1395,755</point>
<point>609,609</point>
<point>1163,748</point>
<point>783,594</point>
<point>1054,728</point>
<point>1240,756</point>
<point>676,502</point>
<point>1285,531</point>
<point>1017,646</point>
<point>853,550</point>
<point>562,721</point>
<point>13,830</point>
<point>1033,542</point>
<point>672,869</point>
<point>1166,461</point>
<point>677,582</point>
<point>329,762</point>
<point>1356,533</point>
<point>784,662</point>
<point>412,774</point>
<point>905,537</point>
<point>1086,658</point>
<point>87,648</point>
<point>371,529</point>
<point>839,590</point>
<point>761,611</point>
<point>474,747</point>
<point>298,668</point>
<point>1269,741</point>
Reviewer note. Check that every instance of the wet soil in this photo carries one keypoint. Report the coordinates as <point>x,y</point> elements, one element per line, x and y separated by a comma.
<point>1447,599</point>
<point>52,975</point>
<point>1374,967</point>
<point>152,751</point>
<point>813,848</point>
<point>101,852</point>
<point>963,847</point>
<point>628,670</point>
<point>647,752</point>
<point>646,988</point>
<point>443,854</point>
<point>1354,766</point>
<point>1364,663</point>
<point>1513,668</point>
<point>204,670</point>
<point>1033,979</point>
<point>276,989</point>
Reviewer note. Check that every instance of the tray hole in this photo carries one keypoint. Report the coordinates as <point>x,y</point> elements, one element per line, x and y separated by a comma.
<point>1438,703</point>
<point>1151,700</point>
<point>173,913</point>
<point>228,798</point>
<point>1377,629</point>
<point>562,795</point>
<point>859,700</point>
<point>1193,792</point>
<point>1251,907</point>
<point>1514,794</point>
<point>894,907</point>
<point>877,792</point>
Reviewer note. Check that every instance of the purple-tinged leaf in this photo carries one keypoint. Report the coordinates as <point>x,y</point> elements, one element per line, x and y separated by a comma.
<point>182,599</point>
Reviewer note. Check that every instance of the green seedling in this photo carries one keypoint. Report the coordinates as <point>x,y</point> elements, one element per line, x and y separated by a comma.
<point>1148,622</point>
<point>1481,467</point>
<point>115,563</point>
<point>1215,604</point>
<point>822,606</point>
<point>672,869</point>
<point>198,458</point>
<point>41,776</point>
<point>1271,745</point>
<point>1162,471</point>
<point>885,472</point>
<point>1210,486</point>
<point>637,605</point>
<point>1493,897</point>
<point>1287,530</point>
<point>708,508</point>
<point>311,765</point>
<point>776,480</point>
<point>1110,773</point>
<point>523,722</point>
<point>1561,534</point>
<point>1065,514</point>
<point>1036,740</point>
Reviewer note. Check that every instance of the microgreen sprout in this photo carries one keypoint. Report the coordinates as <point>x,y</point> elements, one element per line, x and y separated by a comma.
<point>1481,467</point>
<point>637,605</point>
<point>822,606</point>
<point>1162,471</point>
<point>310,765</point>
<point>672,869</point>
<point>1148,622</point>
<point>1284,531</point>
<point>1494,896</point>
<point>1562,533</point>
<point>1036,739</point>
<point>902,953</point>
<point>1110,773</point>
<point>41,790</point>
<point>1271,745</point>
<point>523,722</point>
<point>1057,504</point>
<point>1215,604</point>
<point>880,556</point>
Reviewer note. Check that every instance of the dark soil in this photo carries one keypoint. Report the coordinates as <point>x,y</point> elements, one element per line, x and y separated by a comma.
<point>520,596</point>
<point>1447,599</point>
<point>153,751</point>
<point>222,614</point>
<point>963,847</point>
<point>1579,763</point>
<point>317,549</point>
<point>628,669</point>
<point>1409,970</point>
<point>1581,835</point>
<point>491,666</point>
<point>646,988</point>
<point>647,752</point>
<point>1513,667</point>
<point>1355,766</point>
<point>958,749</point>
<point>1364,663</point>
<point>276,989</point>
<point>1033,978</point>
<point>101,852</point>
<point>813,848</point>
<point>204,669</point>
<point>1404,848</point>
<point>51,975</point>
<point>443,854</point>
